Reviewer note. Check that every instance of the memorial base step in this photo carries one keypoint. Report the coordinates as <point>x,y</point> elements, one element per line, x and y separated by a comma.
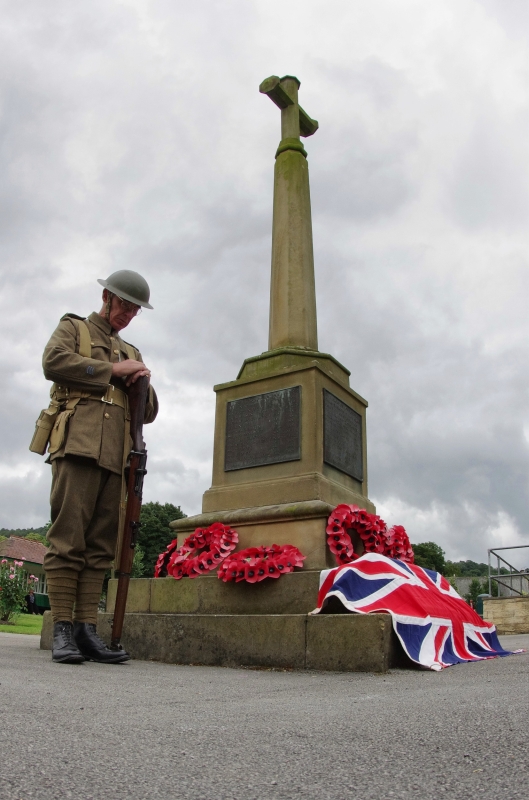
<point>328,642</point>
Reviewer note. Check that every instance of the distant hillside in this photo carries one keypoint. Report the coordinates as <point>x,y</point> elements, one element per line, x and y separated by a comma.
<point>467,569</point>
<point>22,531</point>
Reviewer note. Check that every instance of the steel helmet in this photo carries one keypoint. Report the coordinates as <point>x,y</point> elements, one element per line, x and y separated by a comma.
<point>128,285</point>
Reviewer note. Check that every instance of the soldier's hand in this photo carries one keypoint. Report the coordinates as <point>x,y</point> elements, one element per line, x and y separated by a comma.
<point>133,378</point>
<point>130,370</point>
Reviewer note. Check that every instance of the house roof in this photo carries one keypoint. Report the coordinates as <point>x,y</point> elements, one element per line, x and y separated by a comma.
<point>16,547</point>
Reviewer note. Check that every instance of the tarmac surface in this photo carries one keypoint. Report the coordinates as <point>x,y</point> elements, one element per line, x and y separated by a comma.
<point>149,730</point>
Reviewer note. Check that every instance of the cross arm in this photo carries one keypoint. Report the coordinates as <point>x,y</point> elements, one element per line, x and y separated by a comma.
<point>272,87</point>
<point>277,93</point>
<point>307,126</point>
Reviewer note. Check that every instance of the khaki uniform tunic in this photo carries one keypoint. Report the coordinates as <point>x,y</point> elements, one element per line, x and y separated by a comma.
<point>87,468</point>
<point>96,429</point>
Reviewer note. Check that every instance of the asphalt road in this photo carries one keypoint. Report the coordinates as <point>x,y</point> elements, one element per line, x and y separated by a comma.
<point>148,730</point>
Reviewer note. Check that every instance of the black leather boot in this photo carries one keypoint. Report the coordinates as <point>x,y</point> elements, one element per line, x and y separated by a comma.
<point>94,648</point>
<point>65,650</point>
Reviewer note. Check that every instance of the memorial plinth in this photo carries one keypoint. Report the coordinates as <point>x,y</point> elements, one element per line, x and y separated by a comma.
<point>290,432</point>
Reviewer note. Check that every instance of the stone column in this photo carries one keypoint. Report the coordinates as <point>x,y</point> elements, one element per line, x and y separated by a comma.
<point>290,434</point>
<point>292,291</point>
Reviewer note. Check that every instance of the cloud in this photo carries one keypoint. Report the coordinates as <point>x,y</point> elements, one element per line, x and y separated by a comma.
<point>513,17</point>
<point>133,136</point>
<point>489,186</point>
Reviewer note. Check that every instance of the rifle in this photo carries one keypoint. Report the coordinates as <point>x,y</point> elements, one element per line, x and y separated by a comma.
<point>136,470</point>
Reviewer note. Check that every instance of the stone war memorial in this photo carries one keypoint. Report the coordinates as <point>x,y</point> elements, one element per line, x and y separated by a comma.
<point>289,446</point>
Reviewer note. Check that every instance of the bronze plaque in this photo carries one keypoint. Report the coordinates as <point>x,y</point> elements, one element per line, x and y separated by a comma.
<point>342,436</point>
<point>263,429</point>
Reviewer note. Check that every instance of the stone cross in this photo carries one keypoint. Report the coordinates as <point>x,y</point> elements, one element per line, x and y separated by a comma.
<point>292,289</point>
<point>284,92</point>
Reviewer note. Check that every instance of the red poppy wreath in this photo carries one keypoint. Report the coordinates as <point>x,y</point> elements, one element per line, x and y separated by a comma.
<point>201,552</point>
<point>372,531</point>
<point>257,563</point>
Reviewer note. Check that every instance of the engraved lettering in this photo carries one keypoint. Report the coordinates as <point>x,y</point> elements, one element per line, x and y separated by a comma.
<point>342,436</point>
<point>263,429</point>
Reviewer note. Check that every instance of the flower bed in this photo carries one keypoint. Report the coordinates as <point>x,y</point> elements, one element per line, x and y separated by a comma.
<point>14,586</point>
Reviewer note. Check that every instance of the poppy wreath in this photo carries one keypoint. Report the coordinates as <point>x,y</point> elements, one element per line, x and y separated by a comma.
<point>373,532</point>
<point>257,563</point>
<point>201,552</point>
<point>398,545</point>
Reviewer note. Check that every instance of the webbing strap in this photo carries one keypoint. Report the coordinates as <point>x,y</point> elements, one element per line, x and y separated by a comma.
<point>113,396</point>
<point>72,402</point>
<point>130,351</point>
<point>85,340</point>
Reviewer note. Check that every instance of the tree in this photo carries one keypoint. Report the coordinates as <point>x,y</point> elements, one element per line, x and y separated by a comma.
<point>155,533</point>
<point>138,567</point>
<point>37,537</point>
<point>430,556</point>
<point>474,590</point>
<point>22,532</point>
<point>472,569</point>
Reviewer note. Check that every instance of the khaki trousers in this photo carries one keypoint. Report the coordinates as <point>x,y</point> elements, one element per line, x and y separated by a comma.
<point>85,515</point>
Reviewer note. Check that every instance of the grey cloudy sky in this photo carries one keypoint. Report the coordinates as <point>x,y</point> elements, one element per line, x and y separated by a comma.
<point>133,136</point>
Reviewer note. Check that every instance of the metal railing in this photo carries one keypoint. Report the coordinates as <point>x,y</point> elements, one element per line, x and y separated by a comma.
<point>503,577</point>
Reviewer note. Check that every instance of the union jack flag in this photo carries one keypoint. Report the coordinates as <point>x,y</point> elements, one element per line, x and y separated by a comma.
<point>433,623</point>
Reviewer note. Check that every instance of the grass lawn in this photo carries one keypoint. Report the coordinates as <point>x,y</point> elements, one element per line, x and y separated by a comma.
<point>26,623</point>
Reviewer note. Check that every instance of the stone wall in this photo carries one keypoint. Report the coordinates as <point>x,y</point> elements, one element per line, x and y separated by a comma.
<point>509,614</point>
<point>463,584</point>
<point>519,584</point>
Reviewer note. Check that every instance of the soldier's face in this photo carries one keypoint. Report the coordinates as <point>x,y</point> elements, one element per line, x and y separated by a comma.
<point>121,314</point>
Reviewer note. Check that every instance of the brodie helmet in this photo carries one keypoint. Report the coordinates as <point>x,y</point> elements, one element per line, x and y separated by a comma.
<point>128,285</point>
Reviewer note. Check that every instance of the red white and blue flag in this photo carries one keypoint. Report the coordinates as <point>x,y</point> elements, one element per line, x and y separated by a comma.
<point>434,624</point>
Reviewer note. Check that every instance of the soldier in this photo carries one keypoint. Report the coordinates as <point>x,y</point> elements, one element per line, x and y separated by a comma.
<point>91,366</point>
